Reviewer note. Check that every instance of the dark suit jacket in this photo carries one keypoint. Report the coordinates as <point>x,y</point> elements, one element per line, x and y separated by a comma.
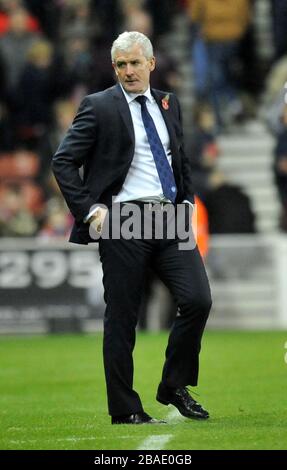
<point>101,139</point>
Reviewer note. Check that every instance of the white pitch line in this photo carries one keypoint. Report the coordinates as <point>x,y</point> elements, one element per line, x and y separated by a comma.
<point>64,439</point>
<point>155,442</point>
<point>158,442</point>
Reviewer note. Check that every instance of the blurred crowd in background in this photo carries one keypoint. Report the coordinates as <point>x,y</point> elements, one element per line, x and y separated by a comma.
<point>54,52</point>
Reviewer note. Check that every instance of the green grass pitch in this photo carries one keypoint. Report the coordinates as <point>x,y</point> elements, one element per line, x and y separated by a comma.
<point>52,394</point>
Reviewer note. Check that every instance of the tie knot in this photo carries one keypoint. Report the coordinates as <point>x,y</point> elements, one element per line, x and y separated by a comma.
<point>141,99</point>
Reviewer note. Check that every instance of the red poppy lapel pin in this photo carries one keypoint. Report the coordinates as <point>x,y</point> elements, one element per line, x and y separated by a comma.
<point>165,102</point>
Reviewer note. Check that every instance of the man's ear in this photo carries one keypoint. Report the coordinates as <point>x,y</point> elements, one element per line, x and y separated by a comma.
<point>152,64</point>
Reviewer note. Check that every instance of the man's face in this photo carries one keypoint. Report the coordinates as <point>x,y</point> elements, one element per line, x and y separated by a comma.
<point>133,69</point>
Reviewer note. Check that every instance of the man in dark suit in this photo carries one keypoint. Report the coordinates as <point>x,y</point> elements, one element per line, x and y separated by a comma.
<point>128,139</point>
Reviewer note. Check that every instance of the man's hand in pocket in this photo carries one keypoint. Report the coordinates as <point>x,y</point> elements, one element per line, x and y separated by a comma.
<point>97,219</point>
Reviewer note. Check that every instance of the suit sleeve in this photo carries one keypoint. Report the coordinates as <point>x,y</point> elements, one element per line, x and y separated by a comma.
<point>186,164</point>
<point>73,151</point>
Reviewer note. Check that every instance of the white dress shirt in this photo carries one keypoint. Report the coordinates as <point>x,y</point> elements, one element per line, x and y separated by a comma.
<point>142,180</point>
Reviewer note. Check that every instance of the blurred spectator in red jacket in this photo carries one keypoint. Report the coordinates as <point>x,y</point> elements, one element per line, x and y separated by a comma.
<point>6,8</point>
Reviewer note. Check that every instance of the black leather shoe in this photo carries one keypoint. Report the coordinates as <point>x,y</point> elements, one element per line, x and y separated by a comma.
<point>136,418</point>
<point>182,400</point>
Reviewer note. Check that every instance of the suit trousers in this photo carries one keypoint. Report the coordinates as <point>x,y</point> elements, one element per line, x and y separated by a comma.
<point>125,266</point>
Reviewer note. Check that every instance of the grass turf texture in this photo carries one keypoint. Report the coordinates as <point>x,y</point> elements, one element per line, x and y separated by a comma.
<point>52,394</point>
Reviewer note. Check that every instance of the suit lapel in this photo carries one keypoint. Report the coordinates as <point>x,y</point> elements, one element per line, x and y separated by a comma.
<point>124,110</point>
<point>158,96</point>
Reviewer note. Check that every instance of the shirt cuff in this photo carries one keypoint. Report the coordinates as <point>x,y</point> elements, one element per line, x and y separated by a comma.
<point>90,214</point>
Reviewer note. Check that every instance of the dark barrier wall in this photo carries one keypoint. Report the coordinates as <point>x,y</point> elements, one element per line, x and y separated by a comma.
<point>49,288</point>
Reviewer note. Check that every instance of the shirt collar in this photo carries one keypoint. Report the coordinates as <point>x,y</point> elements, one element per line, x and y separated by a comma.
<point>132,96</point>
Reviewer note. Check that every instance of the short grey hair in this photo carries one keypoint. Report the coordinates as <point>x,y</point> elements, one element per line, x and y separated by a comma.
<point>125,41</point>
